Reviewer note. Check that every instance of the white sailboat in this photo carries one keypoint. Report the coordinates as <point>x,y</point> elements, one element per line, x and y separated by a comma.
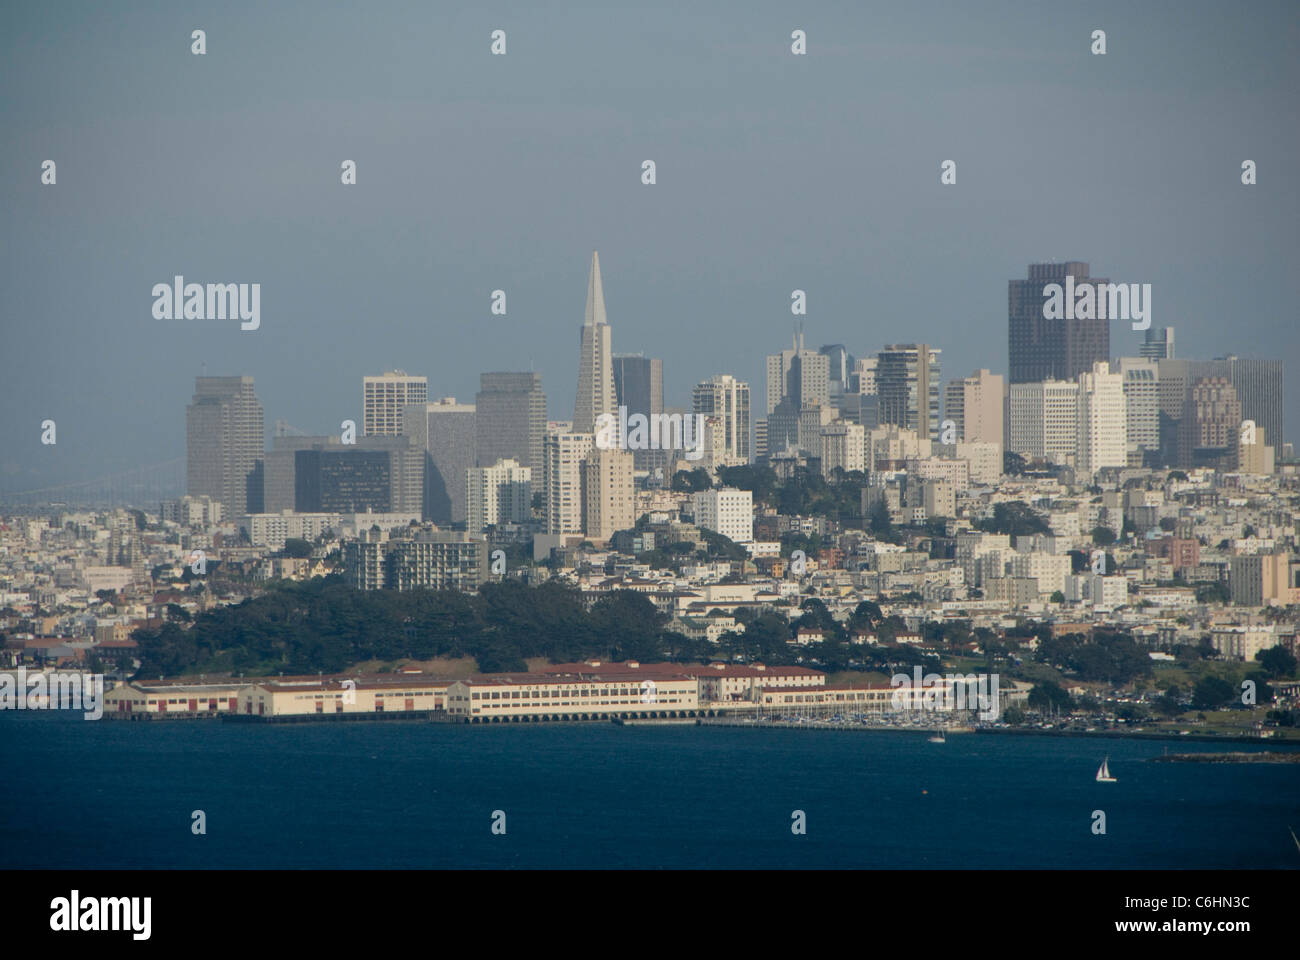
<point>1103,772</point>
<point>937,737</point>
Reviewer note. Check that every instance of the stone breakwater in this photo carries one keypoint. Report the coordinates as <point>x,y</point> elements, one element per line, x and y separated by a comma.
<point>1235,757</point>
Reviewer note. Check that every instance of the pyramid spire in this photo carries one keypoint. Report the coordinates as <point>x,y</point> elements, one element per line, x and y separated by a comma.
<point>595,295</point>
<point>596,394</point>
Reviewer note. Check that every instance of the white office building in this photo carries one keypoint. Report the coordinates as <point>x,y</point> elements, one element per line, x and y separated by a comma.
<point>384,396</point>
<point>501,493</point>
<point>727,511</point>
<point>1044,420</point>
<point>1102,421</point>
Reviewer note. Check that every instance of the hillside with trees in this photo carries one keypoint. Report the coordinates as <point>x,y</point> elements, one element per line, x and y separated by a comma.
<point>324,625</point>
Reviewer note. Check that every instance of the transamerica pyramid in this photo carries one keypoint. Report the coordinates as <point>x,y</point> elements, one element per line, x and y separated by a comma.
<point>595,360</point>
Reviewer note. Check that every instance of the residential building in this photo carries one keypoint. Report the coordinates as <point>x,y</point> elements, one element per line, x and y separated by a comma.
<point>565,493</point>
<point>500,493</point>
<point>908,386</point>
<point>843,447</point>
<point>727,398</point>
<point>418,560</point>
<point>975,406</point>
<point>727,511</point>
<point>1264,579</point>
<point>608,492</point>
<point>1044,420</point>
<point>1101,420</point>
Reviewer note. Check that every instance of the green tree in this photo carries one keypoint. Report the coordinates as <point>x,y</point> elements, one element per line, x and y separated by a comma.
<point>724,547</point>
<point>1277,662</point>
<point>1103,536</point>
<point>865,615</point>
<point>1014,518</point>
<point>1216,592</point>
<point>1211,692</point>
<point>767,637</point>
<point>1048,697</point>
<point>878,522</point>
<point>761,481</point>
<point>1170,702</point>
<point>692,481</point>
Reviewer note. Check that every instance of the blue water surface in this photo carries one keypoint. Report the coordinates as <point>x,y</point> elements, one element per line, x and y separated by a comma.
<point>358,795</point>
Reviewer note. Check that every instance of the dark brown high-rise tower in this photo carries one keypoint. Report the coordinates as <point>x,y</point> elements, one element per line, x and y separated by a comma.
<point>1042,349</point>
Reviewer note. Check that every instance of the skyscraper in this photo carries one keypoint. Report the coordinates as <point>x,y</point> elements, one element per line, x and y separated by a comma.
<point>565,480</point>
<point>639,386</point>
<point>382,474</point>
<point>1041,349</point>
<point>1101,418</point>
<point>1259,389</point>
<point>802,376</point>
<point>639,383</point>
<point>280,486</point>
<point>225,443</point>
<point>1211,426</point>
<point>840,372</point>
<point>445,430</point>
<point>608,497</point>
<point>863,377</point>
<point>908,387</point>
<point>727,398</point>
<point>510,420</point>
<point>1157,344</point>
<point>1044,420</point>
<point>382,400</point>
<point>1141,398</point>
<point>974,405</point>
<point>595,361</point>
<point>343,479</point>
<point>1258,386</point>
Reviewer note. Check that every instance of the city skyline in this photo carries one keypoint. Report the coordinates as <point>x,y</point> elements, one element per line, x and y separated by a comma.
<point>742,213</point>
<point>448,458</point>
<point>787,373</point>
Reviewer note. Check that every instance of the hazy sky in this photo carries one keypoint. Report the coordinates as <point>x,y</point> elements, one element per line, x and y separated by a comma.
<point>478,172</point>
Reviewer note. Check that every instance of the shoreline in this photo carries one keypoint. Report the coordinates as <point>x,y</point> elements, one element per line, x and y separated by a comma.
<point>737,722</point>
